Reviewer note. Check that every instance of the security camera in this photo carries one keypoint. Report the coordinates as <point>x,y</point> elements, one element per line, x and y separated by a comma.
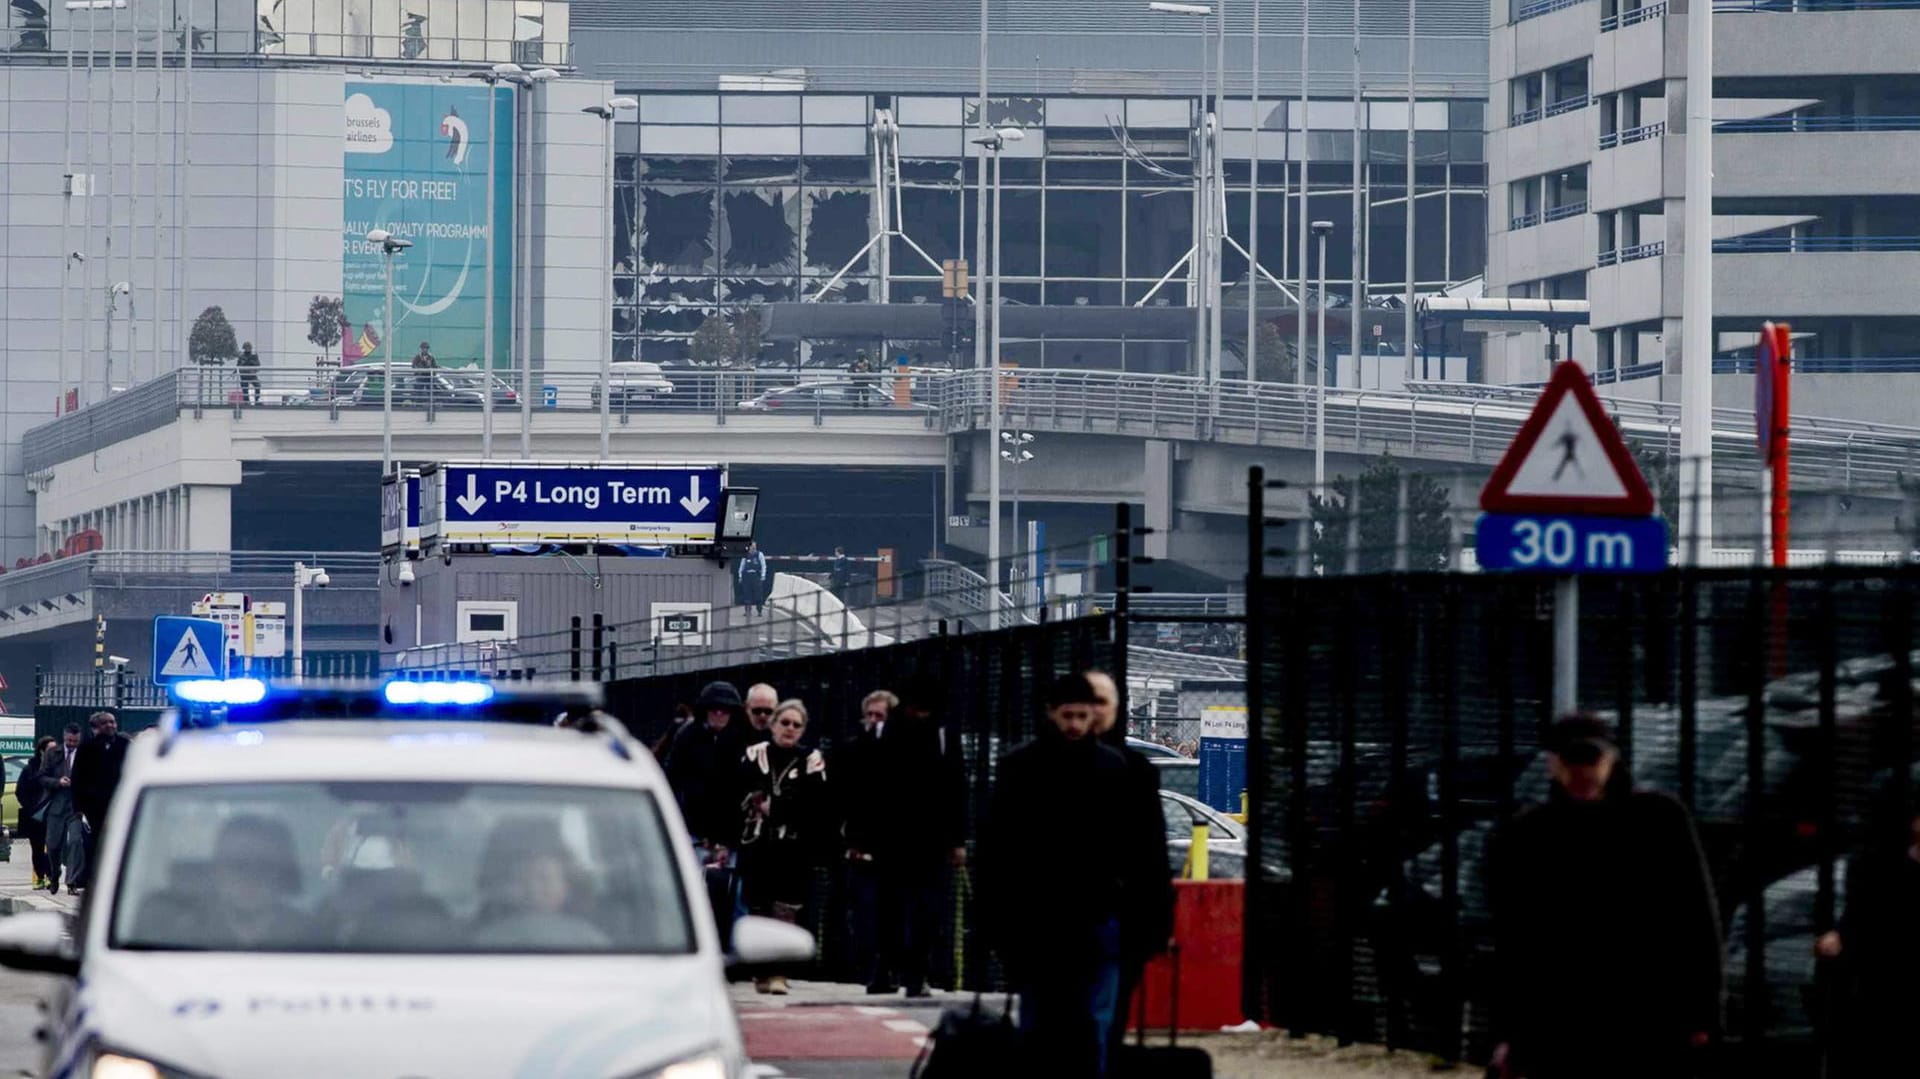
<point>118,661</point>
<point>379,236</point>
<point>320,579</point>
<point>406,574</point>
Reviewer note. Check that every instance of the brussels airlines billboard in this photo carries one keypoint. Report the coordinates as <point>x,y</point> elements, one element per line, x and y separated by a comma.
<point>416,165</point>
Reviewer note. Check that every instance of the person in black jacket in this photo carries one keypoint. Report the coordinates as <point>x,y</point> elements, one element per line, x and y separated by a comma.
<point>782,807</point>
<point>907,820</point>
<point>855,767</point>
<point>97,768</point>
<point>1877,944</point>
<point>1071,854</point>
<point>1607,934</point>
<point>32,798</point>
<point>1149,931</point>
<point>703,766</point>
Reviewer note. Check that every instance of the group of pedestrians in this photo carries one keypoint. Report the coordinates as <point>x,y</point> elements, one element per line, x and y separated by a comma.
<point>765,808</point>
<point>1073,883</point>
<point>65,792</point>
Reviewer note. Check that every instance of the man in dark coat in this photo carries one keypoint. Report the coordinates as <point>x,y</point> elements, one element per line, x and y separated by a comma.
<point>1606,928</point>
<point>1071,855</point>
<point>1148,933</point>
<point>855,768</point>
<point>1878,941</point>
<point>906,817</point>
<point>96,769</point>
<point>66,830</point>
<point>702,767</point>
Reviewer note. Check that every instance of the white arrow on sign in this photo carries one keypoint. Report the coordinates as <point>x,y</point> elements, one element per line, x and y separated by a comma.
<point>473,499</point>
<point>693,503</point>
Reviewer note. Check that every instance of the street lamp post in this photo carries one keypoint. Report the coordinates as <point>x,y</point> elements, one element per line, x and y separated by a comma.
<point>1204,266</point>
<point>1306,57</point>
<point>304,577</point>
<point>1320,231</point>
<point>996,143</point>
<point>493,80</point>
<point>607,112</point>
<point>523,238</point>
<point>390,245</point>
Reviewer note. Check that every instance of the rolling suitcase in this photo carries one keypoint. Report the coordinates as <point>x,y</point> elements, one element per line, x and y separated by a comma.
<point>971,1043</point>
<point>1169,1061</point>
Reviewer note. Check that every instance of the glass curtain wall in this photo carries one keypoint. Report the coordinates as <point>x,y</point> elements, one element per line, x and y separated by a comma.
<point>727,201</point>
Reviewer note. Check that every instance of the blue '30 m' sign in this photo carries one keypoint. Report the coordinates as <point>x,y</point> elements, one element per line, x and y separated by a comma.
<point>1571,544</point>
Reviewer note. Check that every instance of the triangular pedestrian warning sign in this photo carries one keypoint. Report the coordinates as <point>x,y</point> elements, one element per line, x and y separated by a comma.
<point>188,659</point>
<point>1568,458</point>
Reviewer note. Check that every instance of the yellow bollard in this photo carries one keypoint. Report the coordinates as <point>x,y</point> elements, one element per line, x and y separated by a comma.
<point>1197,855</point>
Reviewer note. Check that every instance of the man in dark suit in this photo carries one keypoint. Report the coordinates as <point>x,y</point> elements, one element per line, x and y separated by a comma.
<point>66,831</point>
<point>96,770</point>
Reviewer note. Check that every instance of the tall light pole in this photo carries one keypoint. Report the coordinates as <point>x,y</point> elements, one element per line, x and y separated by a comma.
<point>1407,314</point>
<point>492,79</point>
<point>114,292</point>
<point>1253,210</point>
<point>1320,231</point>
<point>86,228</point>
<point>304,577</point>
<point>1306,61</point>
<point>1696,306</point>
<point>66,201</point>
<point>390,245</point>
<point>996,143</point>
<point>523,238</point>
<point>1017,454</point>
<point>1203,253</point>
<point>607,112</point>
<point>1359,226</point>
<point>153,255</point>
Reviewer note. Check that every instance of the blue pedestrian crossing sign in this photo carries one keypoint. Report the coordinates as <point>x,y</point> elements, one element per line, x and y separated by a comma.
<point>188,648</point>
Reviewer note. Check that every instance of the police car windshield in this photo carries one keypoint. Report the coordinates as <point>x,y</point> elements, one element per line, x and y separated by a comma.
<point>419,867</point>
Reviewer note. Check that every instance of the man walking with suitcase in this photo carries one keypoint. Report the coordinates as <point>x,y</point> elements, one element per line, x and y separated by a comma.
<point>1058,905</point>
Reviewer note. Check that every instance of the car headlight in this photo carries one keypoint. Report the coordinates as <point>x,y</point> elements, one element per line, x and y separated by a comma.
<point>704,1066</point>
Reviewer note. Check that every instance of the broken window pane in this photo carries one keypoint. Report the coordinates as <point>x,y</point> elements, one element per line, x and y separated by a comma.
<point>626,348</point>
<point>785,170</point>
<point>681,169</point>
<point>677,290</point>
<point>623,228</point>
<point>848,290</point>
<point>625,319</point>
<point>672,319</point>
<point>761,229</point>
<point>1005,111</point>
<point>836,225</point>
<point>931,217</point>
<point>757,290</point>
<point>941,171</point>
<point>676,229</point>
<point>838,170</point>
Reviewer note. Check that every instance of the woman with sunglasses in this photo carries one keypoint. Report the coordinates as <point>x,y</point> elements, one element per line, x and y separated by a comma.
<point>783,812</point>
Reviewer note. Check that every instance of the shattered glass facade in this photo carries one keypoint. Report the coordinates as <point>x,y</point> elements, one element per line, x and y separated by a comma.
<point>726,201</point>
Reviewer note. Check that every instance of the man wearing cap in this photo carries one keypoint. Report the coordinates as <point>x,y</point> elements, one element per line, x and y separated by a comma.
<point>1607,933</point>
<point>1059,905</point>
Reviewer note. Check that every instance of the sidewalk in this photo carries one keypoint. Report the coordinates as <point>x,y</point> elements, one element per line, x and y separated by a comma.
<point>17,893</point>
<point>1260,1054</point>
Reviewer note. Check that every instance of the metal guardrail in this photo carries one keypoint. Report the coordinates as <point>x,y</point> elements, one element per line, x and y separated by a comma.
<point>1815,244</point>
<point>123,415</point>
<point>1615,139</point>
<point>1828,365</point>
<point>1525,117</point>
<point>1820,123</point>
<point>1542,7</point>
<point>960,592</point>
<point>1632,16</point>
<point>1523,221</point>
<point>1572,104</point>
<point>1630,373</point>
<point>1565,210</point>
<point>52,582</point>
<point>1633,253</point>
<point>1145,605</point>
<point>1451,425</point>
<point>1800,7</point>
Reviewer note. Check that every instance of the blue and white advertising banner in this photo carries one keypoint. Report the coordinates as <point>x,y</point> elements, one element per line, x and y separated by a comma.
<point>497,502</point>
<point>416,156</point>
<point>1223,756</point>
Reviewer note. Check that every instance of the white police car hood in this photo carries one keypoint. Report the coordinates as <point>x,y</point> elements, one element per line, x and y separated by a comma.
<point>222,1016</point>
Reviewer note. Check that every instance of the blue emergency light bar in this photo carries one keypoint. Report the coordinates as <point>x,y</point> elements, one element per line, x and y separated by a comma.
<point>249,700</point>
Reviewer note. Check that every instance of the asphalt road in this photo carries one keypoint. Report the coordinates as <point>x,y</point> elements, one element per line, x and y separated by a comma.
<point>20,995</point>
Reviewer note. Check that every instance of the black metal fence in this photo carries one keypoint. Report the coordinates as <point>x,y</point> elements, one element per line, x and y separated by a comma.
<point>1399,719</point>
<point>992,686</point>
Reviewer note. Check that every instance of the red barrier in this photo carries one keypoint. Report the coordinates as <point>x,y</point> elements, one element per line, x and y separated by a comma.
<point>1208,920</point>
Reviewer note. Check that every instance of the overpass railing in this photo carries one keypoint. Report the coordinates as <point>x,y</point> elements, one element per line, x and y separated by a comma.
<point>1445,422</point>
<point>213,571</point>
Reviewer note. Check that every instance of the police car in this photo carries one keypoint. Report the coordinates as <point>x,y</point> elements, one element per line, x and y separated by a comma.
<point>395,881</point>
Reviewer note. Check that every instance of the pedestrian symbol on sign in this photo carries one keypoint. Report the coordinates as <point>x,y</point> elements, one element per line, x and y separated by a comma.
<point>188,660</point>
